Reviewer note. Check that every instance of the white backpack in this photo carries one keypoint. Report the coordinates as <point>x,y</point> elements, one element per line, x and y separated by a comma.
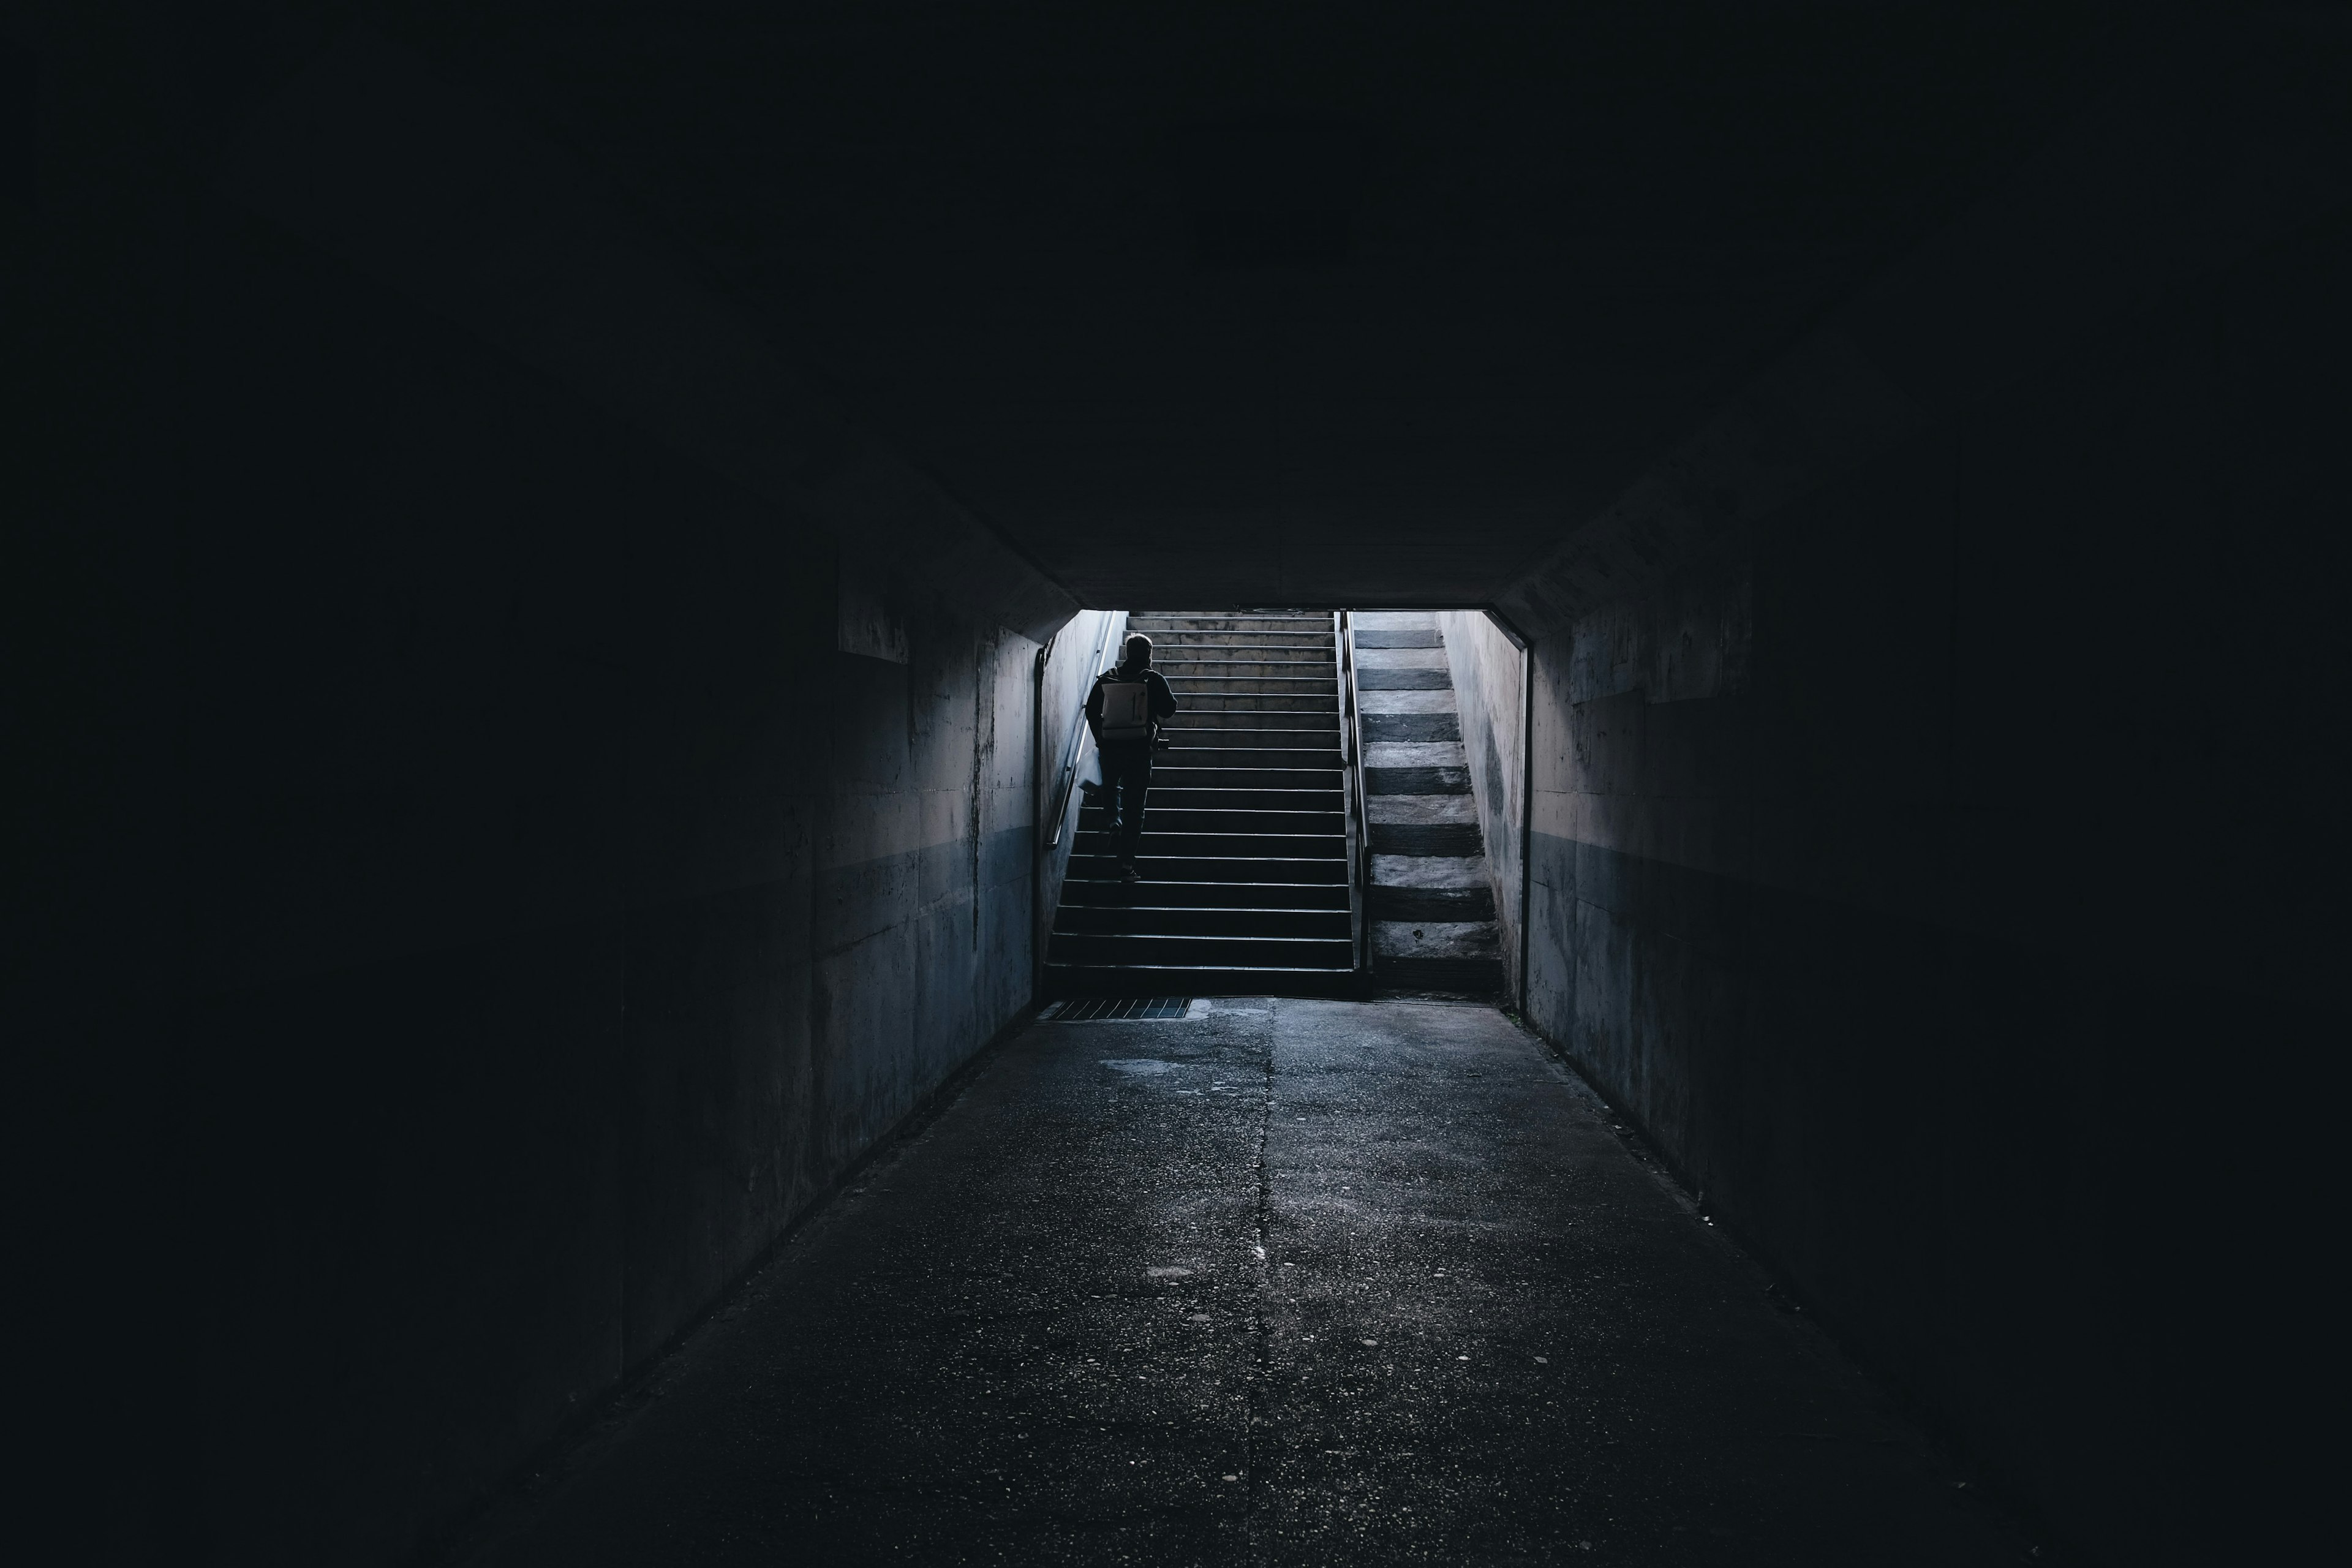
<point>1126,709</point>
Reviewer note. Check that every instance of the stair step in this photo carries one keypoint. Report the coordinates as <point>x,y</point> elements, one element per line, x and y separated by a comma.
<point>1248,759</point>
<point>1294,676</point>
<point>1323,774</point>
<point>1254,696</point>
<point>1227,738</point>
<point>1266,636</point>
<point>1271,720</point>
<point>1174,818</point>
<point>1387,679</point>
<point>1242,662</point>
<point>1442,904</point>
<point>1197,919</point>
<point>1194,952</point>
<point>1244,648</point>
<point>1447,838</point>
<point>1318,680</point>
<point>1207,895</point>
<point>1154,626</point>
<point>1179,844</point>
<point>1291,653</point>
<point>1101,867</point>
<point>1416,781</point>
<point>1181,797</point>
<point>1411,727</point>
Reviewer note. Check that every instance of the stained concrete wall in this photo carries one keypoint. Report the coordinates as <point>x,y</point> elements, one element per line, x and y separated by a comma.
<point>1489,677</point>
<point>566,913</point>
<point>537,853</point>
<point>1933,828</point>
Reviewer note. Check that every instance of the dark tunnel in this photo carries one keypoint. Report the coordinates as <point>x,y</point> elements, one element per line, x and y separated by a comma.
<point>1764,577</point>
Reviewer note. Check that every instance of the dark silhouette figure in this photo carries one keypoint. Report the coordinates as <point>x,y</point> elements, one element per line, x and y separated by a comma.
<point>1128,703</point>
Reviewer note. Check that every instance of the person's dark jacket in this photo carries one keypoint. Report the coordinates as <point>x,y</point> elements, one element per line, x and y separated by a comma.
<point>1163,701</point>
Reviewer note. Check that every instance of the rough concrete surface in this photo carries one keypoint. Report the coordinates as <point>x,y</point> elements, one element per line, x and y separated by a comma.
<point>1284,1281</point>
<point>1420,807</point>
<point>467,902</point>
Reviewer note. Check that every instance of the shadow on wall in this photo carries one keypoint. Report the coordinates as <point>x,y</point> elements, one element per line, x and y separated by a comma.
<point>567,920</point>
<point>555,855</point>
<point>1933,825</point>
<point>1489,675</point>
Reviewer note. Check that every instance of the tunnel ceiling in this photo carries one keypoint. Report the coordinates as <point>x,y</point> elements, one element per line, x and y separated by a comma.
<point>1284,304</point>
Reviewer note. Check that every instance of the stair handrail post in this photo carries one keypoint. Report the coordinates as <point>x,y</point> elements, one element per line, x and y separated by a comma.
<point>1351,755</point>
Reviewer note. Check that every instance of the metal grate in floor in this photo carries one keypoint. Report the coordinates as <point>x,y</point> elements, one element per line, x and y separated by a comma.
<point>1082,1009</point>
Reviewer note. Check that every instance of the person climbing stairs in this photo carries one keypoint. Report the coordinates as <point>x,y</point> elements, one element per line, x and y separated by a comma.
<point>1245,885</point>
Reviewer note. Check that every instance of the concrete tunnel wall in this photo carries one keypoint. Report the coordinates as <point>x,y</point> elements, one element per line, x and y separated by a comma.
<point>563,921</point>
<point>520,857</point>
<point>474,901</point>
<point>1488,673</point>
<point>1929,825</point>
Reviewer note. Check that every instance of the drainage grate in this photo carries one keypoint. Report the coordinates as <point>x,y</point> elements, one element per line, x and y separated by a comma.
<point>1089,1007</point>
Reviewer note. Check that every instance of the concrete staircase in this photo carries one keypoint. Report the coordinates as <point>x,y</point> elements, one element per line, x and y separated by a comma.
<point>1431,904</point>
<point>1245,886</point>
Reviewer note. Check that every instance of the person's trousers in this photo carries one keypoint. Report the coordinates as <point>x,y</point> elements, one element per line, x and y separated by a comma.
<point>1126,780</point>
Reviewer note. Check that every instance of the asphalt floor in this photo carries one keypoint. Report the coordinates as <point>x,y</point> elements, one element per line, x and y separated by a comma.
<point>1275,1282</point>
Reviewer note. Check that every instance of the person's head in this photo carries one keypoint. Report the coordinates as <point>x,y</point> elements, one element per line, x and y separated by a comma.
<point>1139,652</point>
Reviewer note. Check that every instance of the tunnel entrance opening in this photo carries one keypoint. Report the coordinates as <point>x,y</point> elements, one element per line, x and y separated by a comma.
<point>1310,825</point>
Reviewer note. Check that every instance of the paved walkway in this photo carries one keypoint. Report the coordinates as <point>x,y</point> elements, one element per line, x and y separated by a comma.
<point>1282,1282</point>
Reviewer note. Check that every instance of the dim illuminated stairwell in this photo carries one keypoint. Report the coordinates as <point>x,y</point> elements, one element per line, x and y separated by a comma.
<point>1429,896</point>
<point>1248,884</point>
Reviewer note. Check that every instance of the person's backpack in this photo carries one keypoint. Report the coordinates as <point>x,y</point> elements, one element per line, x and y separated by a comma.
<point>1126,709</point>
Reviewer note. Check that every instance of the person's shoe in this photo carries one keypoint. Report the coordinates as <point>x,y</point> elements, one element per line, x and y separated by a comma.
<point>1090,788</point>
<point>1128,873</point>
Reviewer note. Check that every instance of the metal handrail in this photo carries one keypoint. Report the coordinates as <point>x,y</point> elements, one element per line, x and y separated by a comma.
<point>1074,753</point>
<point>1359,833</point>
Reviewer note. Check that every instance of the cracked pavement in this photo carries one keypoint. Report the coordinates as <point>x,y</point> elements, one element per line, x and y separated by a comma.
<point>1283,1282</point>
